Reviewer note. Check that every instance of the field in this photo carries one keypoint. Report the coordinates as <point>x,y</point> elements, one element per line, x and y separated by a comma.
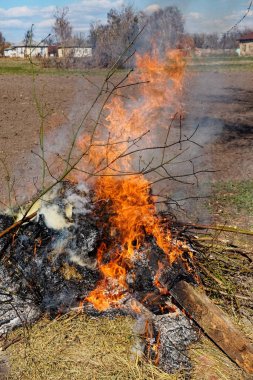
<point>217,97</point>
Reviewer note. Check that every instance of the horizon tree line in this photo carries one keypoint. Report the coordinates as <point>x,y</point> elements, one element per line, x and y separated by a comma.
<point>164,28</point>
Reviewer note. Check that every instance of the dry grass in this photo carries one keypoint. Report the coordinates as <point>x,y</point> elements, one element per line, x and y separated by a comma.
<point>76,346</point>
<point>79,347</point>
<point>210,363</point>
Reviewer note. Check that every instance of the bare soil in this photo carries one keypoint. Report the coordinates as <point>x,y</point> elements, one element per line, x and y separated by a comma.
<point>20,124</point>
<point>221,103</point>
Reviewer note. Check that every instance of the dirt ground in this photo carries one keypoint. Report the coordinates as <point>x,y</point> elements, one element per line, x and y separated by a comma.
<point>219,102</point>
<point>222,104</point>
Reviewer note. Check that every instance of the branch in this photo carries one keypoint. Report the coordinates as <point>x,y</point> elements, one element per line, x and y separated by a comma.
<point>18,224</point>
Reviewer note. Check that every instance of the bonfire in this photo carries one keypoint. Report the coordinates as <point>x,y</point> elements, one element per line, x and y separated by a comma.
<point>95,242</point>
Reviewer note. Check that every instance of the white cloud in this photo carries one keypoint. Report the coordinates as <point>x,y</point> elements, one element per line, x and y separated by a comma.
<point>14,21</point>
<point>152,8</point>
<point>45,23</point>
<point>17,12</point>
<point>11,23</point>
<point>194,15</point>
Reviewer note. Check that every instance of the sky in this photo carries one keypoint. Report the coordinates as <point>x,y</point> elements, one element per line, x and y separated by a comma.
<point>17,16</point>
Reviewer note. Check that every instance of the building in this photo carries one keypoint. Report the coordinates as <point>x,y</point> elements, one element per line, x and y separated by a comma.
<point>246,44</point>
<point>23,51</point>
<point>74,52</point>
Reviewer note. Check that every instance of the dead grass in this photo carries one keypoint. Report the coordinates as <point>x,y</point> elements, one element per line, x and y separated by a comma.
<point>209,363</point>
<point>80,347</point>
<point>76,346</point>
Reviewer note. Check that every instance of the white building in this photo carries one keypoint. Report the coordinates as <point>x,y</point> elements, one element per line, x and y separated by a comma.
<point>74,51</point>
<point>246,44</point>
<point>23,51</point>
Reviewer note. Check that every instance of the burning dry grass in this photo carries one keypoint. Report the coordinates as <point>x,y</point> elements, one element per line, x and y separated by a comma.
<point>79,347</point>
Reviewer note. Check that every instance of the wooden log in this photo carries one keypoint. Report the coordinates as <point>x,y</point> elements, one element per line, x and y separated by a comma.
<point>215,323</point>
<point>136,309</point>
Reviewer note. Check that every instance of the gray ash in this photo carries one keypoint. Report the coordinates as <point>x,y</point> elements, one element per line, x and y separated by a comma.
<point>175,333</point>
<point>46,269</point>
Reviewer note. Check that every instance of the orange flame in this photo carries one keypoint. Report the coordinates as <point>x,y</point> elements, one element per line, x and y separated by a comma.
<point>129,200</point>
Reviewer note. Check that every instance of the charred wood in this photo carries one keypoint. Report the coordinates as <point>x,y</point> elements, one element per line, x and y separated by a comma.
<point>215,323</point>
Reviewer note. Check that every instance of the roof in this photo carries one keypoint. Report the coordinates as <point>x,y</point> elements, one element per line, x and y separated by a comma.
<point>75,47</point>
<point>246,37</point>
<point>32,44</point>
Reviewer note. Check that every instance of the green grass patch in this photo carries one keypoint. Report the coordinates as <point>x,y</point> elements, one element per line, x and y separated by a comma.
<point>237,194</point>
<point>16,66</point>
<point>221,63</point>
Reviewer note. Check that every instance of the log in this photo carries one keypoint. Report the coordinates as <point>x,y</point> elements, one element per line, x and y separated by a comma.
<point>215,323</point>
<point>136,309</point>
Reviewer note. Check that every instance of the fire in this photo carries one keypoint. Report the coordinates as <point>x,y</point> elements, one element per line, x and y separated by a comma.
<point>127,195</point>
<point>135,120</point>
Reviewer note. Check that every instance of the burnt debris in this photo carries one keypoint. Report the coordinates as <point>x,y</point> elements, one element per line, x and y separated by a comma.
<point>51,270</point>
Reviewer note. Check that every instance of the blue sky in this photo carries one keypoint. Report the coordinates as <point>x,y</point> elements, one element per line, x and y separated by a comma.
<point>16,16</point>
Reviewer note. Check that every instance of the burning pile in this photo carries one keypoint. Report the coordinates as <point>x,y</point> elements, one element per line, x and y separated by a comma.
<point>123,194</point>
<point>106,248</point>
<point>82,263</point>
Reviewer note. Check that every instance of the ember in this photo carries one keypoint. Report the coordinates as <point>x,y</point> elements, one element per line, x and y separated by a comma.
<point>109,246</point>
<point>66,265</point>
<point>107,250</point>
<point>127,200</point>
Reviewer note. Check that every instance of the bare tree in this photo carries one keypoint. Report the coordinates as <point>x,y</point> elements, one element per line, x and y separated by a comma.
<point>80,40</point>
<point>199,40</point>
<point>28,38</point>
<point>211,41</point>
<point>164,28</point>
<point>230,40</point>
<point>2,43</point>
<point>206,40</point>
<point>62,28</point>
<point>111,39</point>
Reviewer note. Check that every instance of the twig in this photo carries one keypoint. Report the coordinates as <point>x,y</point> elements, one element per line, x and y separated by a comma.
<point>234,230</point>
<point>227,294</point>
<point>10,343</point>
<point>17,224</point>
<point>209,274</point>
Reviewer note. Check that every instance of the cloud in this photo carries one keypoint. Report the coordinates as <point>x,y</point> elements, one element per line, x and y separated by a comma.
<point>11,23</point>
<point>152,8</point>
<point>194,15</point>
<point>14,21</point>
<point>17,12</point>
<point>45,23</point>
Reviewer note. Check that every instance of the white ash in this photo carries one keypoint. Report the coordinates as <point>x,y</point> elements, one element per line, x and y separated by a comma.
<point>17,313</point>
<point>53,216</point>
<point>34,266</point>
<point>177,332</point>
<point>59,204</point>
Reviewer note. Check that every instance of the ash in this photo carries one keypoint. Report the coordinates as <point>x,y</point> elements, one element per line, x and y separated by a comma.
<point>176,333</point>
<point>45,269</point>
<point>50,265</point>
